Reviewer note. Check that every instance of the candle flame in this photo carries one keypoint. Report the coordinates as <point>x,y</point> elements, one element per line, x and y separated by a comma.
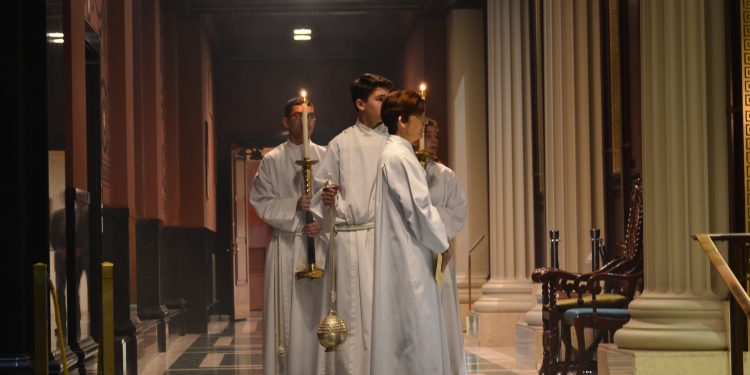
<point>423,90</point>
<point>303,93</point>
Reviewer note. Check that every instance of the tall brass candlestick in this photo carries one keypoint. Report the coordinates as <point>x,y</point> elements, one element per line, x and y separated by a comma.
<point>312,271</point>
<point>422,154</point>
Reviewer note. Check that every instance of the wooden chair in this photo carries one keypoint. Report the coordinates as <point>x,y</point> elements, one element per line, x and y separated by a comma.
<point>563,291</point>
<point>604,320</point>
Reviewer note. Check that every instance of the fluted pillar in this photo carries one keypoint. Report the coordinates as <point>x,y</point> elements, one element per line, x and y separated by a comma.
<point>573,158</point>
<point>574,191</point>
<point>467,138</point>
<point>507,296</point>
<point>685,177</point>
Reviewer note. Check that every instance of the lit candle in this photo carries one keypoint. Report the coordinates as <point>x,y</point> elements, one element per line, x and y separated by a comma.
<point>305,131</point>
<point>423,94</point>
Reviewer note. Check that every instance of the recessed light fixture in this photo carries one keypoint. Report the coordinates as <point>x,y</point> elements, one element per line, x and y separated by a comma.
<point>55,35</point>
<point>302,32</point>
<point>57,40</point>
<point>302,37</point>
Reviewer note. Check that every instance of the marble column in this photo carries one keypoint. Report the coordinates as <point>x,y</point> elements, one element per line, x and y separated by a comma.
<point>574,190</point>
<point>685,177</point>
<point>573,158</point>
<point>467,138</point>
<point>507,296</point>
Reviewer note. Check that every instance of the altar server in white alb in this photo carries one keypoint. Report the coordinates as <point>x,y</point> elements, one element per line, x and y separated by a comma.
<point>407,323</point>
<point>351,162</point>
<point>450,201</point>
<point>292,311</point>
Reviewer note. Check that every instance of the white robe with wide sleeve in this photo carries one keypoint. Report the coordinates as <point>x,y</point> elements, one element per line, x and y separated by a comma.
<point>450,201</point>
<point>351,160</point>
<point>277,186</point>
<point>407,324</point>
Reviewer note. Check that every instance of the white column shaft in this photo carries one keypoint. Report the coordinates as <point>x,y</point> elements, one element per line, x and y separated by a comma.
<point>574,191</point>
<point>685,176</point>
<point>511,215</point>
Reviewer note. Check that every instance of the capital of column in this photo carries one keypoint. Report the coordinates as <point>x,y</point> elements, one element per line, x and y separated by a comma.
<point>663,322</point>
<point>505,296</point>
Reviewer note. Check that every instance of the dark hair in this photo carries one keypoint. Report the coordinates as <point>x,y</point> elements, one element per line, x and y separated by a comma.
<point>297,100</point>
<point>400,104</point>
<point>364,86</point>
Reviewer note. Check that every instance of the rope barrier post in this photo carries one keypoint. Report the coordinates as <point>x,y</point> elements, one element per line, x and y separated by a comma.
<point>41,319</point>
<point>108,324</point>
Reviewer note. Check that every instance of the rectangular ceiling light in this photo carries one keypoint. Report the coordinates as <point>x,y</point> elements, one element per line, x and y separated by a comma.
<point>55,35</point>
<point>302,37</point>
<point>302,31</point>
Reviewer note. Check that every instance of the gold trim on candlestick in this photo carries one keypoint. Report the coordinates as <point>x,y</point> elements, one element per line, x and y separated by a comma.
<point>312,271</point>
<point>423,156</point>
<point>307,164</point>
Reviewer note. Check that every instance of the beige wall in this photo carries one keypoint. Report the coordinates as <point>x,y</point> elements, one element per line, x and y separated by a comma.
<point>466,136</point>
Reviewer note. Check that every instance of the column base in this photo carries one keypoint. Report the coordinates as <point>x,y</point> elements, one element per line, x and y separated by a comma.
<point>497,329</point>
<point>615,361</point>
<point>529,350</point>
<point>534,316</point>
<point>169,331</point>
<point>462,285</point>
<point>504,296</point>
<point>87,352</point>
<point>147,343</point>
<point>674,324</point>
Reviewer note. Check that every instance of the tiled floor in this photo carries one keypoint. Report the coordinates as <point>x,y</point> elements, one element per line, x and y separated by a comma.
<point>236,348</point>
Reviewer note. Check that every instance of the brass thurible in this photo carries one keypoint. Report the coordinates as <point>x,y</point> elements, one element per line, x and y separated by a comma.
<point>332,330</point>
<point>312,271</point>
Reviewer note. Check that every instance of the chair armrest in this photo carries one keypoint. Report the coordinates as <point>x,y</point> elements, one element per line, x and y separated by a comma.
<point>553,280</point>
<point>543,274</point>
<point>594,287</point>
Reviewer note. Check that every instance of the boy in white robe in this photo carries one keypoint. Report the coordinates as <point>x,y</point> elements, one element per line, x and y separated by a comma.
<point>450,201</point>
<point>407,324</point>
<point>351,161</point>
<point>279,198</point>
